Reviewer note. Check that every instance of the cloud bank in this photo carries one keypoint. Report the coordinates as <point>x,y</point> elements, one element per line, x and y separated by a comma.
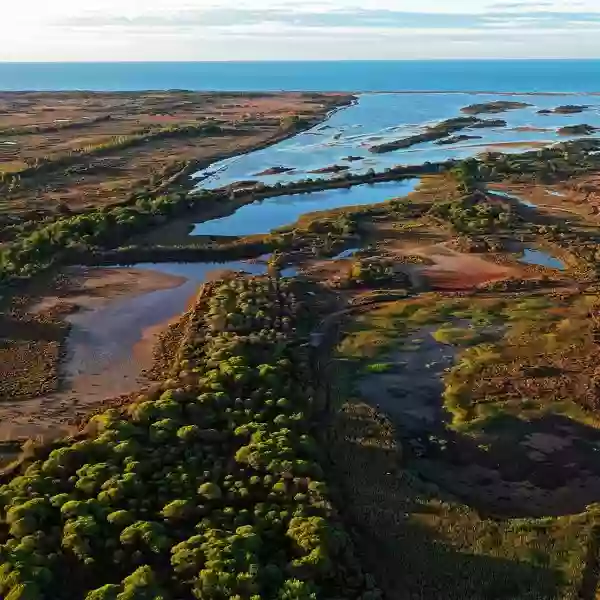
<point>281,29</point>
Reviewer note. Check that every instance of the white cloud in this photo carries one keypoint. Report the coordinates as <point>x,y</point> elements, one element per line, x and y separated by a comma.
<point>263,29</point>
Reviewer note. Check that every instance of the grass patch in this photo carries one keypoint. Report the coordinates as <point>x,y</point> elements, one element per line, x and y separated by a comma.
<point>376,368</point>
<point>455,336</point>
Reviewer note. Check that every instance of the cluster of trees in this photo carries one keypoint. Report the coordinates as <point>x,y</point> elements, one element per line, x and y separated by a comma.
<point>472,214</point>
<point>371,272</point>
<point>71,236</point>
<point>209,487</point>
<point>545,165</point>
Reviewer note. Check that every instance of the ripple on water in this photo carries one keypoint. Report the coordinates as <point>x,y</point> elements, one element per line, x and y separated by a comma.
<point>379,118</point>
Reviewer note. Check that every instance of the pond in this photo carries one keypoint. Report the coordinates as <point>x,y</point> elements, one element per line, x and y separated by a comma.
<point>121,312</point>
<point>265,215</point>
<point>349,253</point>
<point>110,343</point>
<point>518,199</point>
<point>543,259</point>
<point>112,329</point>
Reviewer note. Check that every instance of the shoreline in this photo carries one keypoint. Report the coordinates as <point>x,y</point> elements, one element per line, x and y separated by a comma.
<point>93,370</point>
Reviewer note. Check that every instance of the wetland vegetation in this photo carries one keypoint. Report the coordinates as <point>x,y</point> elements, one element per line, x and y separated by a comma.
<point>398,399</point>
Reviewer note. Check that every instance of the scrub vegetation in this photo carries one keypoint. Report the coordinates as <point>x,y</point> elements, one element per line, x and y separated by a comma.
<point>400,408</point>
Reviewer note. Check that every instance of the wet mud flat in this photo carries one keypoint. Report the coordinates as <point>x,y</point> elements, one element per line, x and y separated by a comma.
<point>518,468</point>
<point>108,346</point>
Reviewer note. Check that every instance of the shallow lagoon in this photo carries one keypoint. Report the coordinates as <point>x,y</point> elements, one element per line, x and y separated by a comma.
<point>265,215</point>
<point>378,118</point>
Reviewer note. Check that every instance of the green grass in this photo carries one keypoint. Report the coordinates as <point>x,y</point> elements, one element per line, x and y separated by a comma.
<point>377,368</point>
<point>455,336</point>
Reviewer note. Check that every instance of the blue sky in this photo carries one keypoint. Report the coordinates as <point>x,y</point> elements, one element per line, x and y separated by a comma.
<point>87,30</point>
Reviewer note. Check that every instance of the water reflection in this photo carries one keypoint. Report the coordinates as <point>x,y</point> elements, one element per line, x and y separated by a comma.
<point>265,215</point>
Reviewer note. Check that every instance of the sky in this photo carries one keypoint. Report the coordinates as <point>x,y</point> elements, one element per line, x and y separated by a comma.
<point>117,30</point>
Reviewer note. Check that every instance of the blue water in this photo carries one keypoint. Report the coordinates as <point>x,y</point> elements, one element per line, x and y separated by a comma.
<point>377,118</point>
<point>520,200</point>
<point>543,259</point>
<point>265,215</point>
<point>346,254</point>
<point>433,75</point>
<point>200,272</point>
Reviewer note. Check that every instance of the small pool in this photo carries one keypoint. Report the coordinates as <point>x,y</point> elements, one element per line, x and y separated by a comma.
<point>346,254</point>
<point>513,197</point>
<point>542,259</point>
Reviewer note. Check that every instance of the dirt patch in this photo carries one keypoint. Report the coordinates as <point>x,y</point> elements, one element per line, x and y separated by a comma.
<point>30,352</point>
<point>452,270</point>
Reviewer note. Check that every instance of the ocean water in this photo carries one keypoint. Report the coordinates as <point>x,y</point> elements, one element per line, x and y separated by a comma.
<point>355,76</point>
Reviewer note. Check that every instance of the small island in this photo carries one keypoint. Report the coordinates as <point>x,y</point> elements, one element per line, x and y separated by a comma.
<point>330,169</point>
<point>583,129</point>
<point>567,109</point>
<point>439,131</point>
<point>274,171</point>
<point>455,139</point>
<point>496,107</point>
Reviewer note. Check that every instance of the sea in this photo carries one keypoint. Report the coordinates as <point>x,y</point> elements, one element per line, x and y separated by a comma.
<point>576,76</point>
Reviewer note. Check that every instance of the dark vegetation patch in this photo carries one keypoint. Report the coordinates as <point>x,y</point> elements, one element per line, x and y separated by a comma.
<point>455,553</point>
<point>331,169</point>
<point>514,413</point>
<point>566,109</point>
<point>30,351</point>
<point>274,171</point>
<point>455,139</point>
<point>438,132</point>
<point>582,129</point>
<point>498,106</point>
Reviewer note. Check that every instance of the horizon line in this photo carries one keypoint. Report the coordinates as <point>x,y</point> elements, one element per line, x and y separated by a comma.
<point>300,60</point>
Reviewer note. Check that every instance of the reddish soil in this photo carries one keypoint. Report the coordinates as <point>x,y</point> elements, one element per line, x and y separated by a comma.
<point>455,271</point>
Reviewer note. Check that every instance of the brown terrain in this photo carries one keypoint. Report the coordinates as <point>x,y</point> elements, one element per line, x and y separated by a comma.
<point>38,126</point>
